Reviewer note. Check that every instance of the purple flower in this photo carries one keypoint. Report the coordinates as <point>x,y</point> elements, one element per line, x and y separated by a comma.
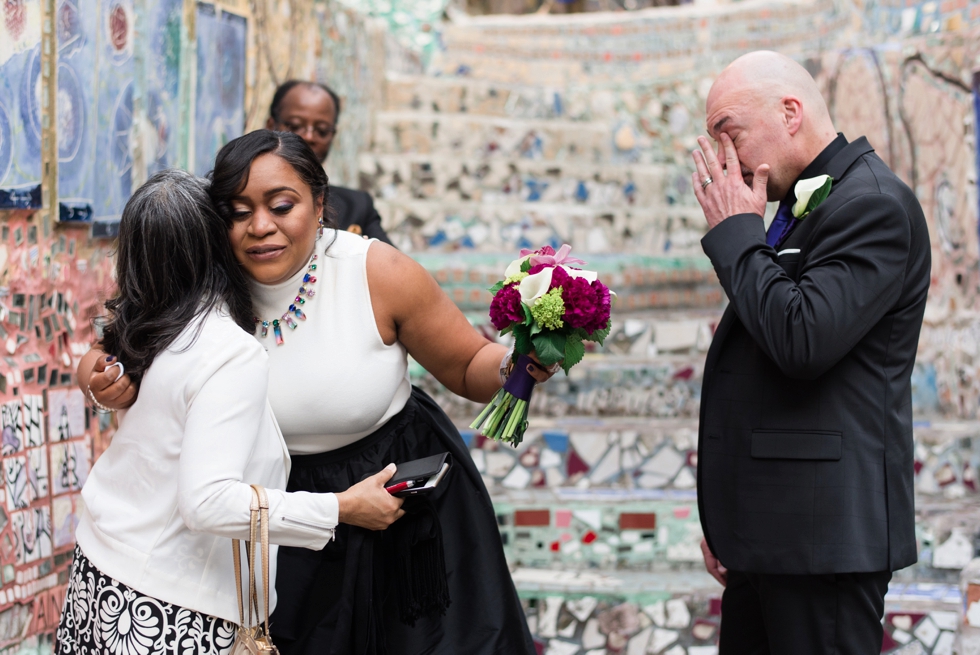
<point>603,302</point>
<point>581,303</point>
<point>506,307</point>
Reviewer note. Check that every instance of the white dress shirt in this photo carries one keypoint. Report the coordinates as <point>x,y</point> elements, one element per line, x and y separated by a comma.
<point>172,489</point>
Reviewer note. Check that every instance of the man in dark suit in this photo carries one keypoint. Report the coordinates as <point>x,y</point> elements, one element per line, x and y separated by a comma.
<point>312,110</point>
<point>805,441</point>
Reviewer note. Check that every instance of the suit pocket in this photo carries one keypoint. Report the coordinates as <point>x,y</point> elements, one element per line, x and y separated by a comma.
<point>793,444</point>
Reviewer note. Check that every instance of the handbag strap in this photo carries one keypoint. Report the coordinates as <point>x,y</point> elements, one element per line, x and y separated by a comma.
<point>264,521</point>
<point>250,555</point>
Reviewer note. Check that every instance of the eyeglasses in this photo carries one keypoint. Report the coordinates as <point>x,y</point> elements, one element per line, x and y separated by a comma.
<point>321,130</point>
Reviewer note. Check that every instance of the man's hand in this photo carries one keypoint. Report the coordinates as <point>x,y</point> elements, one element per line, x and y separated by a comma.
<point>717,571</point>
<point>726,195</point>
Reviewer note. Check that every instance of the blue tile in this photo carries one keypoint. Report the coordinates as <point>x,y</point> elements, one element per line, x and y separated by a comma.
<point>557,441</point>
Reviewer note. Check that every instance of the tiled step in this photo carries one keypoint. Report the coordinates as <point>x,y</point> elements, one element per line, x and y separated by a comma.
<point>604,613</point>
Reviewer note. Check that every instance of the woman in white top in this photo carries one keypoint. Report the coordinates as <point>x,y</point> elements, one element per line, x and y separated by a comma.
<point>152,571</point>
<point>338,316</point>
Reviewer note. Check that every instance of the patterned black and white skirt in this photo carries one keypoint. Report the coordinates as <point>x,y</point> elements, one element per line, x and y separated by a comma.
<point>102,615</point>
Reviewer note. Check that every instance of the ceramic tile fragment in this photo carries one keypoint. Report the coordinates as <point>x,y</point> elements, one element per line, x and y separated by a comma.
<point>657,612</point>
<point>591,637</point>
<point>637,644</point>
<point>901,636</point>
<point>581,608</point>
<point>556,647</point>
<point>568,631</point>
<point>703,631</point>
<point>553,478</point>
<point>499,463</point>
<point>608,467</point>
<point>590,446</point>
<point>955,553</point>
<point>678,615</point>
<point>913,648</point>
<point>652,481</point>
<point>944,644</point>
<point>676,650</point>
<point>622,619</point>
<point>685,479</point>
<point>661,639</point>
<point>590,517</point>
<point>557,441</point>
<point>702,650</point>
<point>549,458</point>
<point>945,620</point>
<point>518,478</point>
<point>667,462</point>
<point>532,517</point>
<point>548,616</point>
<point>926,632</point>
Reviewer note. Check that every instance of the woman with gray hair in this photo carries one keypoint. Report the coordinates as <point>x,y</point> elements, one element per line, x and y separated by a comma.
<point>152,570</point>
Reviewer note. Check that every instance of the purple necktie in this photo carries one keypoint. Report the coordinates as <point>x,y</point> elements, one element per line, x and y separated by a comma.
<point>781,224</point>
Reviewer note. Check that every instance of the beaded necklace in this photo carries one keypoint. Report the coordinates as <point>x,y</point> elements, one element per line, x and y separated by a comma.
<point>295,308</point>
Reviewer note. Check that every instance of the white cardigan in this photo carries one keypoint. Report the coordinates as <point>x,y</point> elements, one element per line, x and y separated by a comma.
<point>172,489</point>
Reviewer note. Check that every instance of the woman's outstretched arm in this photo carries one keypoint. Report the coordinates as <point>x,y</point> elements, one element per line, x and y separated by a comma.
<point>410,307</point>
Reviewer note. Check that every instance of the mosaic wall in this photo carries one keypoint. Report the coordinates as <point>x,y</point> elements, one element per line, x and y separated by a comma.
<point>141,86</point>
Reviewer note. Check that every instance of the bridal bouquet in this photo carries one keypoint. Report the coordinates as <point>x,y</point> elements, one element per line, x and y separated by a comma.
<point>551,308</point>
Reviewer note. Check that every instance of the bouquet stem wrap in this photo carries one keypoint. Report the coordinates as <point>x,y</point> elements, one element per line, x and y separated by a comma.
<point>505,418</point>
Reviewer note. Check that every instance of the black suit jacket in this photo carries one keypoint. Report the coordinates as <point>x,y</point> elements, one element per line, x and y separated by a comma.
<point>354,211</point>
<point>805,453</point>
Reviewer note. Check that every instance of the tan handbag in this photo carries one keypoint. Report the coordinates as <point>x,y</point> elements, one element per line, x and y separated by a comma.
<point>253,637</point>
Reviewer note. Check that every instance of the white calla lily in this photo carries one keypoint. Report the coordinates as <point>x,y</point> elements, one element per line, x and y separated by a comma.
<point>804,191</point>
<point>534,286</point>
<point>515,267</point>
<point>590,276</point>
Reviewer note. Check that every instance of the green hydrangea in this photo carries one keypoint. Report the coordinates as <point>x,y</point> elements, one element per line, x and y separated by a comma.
<point>516,277</point>
<point>549,309</point>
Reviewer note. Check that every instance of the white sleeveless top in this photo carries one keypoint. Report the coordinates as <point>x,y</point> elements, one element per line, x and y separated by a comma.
<point>333,381</point>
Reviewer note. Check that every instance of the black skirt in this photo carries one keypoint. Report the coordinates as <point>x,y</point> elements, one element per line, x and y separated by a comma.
<point>350,599</point>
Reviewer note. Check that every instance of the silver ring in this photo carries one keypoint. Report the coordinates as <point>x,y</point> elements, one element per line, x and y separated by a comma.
<point>704,185</point>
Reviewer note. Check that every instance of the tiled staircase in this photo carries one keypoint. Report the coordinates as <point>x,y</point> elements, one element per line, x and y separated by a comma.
<point>597,508</point>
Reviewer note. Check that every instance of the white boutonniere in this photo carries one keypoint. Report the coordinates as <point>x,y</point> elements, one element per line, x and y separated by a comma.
<point>810,193</point>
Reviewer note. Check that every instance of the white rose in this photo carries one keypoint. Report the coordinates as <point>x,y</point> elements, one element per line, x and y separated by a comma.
<point>534,286</point>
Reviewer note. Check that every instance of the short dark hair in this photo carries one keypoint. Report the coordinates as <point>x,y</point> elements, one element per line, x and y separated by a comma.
<point>286,87</point>
<point>173,264</point>
<point>234,161</point>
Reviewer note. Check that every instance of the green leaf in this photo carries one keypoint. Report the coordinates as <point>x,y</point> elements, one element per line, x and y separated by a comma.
<point>574,352</point>
<point>819,196</point>
<point>600,335</point>
<point>549,347</point>
<point>507,329</point>
<point>522,339</point>
<point>528,319</point>
<point>497,287</point>
<point>525,265</point>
